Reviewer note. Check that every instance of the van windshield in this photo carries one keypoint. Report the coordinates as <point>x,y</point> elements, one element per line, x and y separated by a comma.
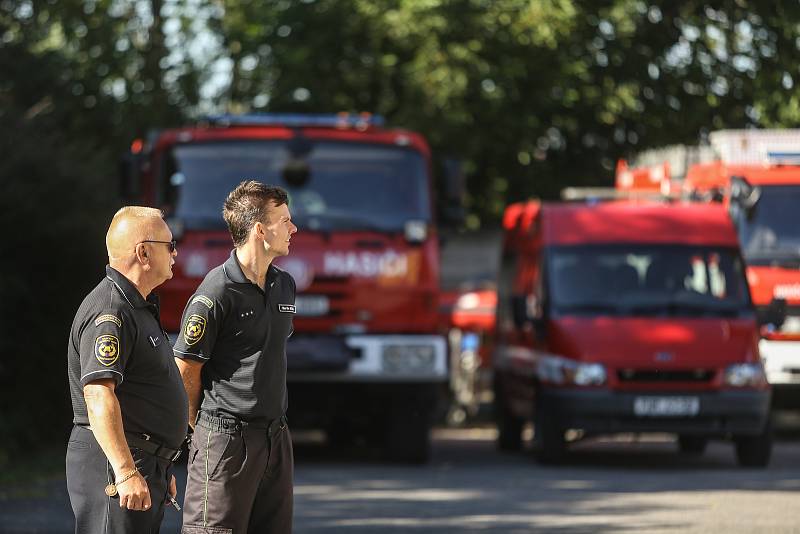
<point>350,186</point>
<point>647,280</point>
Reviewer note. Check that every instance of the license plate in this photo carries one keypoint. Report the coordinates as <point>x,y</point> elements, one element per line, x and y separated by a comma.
<point>312,305</point>
<point>666,406</point>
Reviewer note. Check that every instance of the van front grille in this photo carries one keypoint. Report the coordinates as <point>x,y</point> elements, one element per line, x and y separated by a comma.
<point>656,375</point>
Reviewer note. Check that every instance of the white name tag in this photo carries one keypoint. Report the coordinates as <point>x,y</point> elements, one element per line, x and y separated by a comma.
<point>287,308</point>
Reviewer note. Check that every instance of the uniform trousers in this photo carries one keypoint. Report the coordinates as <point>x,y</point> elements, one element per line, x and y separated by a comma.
<point>89,472</point>
<point>240,478</point>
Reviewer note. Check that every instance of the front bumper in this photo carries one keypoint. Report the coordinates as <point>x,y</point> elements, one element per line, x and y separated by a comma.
<point>603,411</point>
<point>781,361</point>
<point>369,359</point>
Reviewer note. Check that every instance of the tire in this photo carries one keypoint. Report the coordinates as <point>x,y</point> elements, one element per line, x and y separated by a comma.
<point>550,446</point>
<point>340,435</point>
<point>754,451</point>
<point>509,426</point>
<point>692,445</point>
<point>408,440</point>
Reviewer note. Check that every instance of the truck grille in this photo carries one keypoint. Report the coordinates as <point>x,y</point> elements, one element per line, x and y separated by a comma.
<point>655,375</point>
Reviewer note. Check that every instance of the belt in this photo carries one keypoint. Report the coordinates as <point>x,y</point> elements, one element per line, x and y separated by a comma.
<point>229,425</point>
<point>146,443</point>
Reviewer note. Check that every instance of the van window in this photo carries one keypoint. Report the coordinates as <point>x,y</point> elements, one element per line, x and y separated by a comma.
<point>647,280</point>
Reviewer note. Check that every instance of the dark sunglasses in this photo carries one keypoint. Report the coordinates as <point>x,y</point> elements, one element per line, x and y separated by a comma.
<point>173,245</point>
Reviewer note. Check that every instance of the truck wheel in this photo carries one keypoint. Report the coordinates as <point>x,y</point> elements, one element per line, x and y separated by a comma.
<point>408,440</point>
<point>549,445</point>
<point>509,426</point>
<point>340,434</point>
<point>754,451</point>
<point>694,445</point>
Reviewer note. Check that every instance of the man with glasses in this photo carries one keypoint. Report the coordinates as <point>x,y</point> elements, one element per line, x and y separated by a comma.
<point>232,354</point>
<point>128,399</point>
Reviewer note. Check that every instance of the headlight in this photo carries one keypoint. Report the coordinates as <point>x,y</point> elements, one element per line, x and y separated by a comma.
<point>409,358</point>
<point>558,370</point>
<point>744,375</point>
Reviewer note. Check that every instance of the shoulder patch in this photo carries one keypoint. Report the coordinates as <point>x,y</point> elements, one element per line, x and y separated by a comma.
<point>194,329</point>
<point>108,318</point>
<point>205,300</point>
<point>287,308</point>
<point>106,349</point>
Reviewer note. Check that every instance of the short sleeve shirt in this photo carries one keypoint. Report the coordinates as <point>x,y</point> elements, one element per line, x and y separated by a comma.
<point>239,331</point>
<point>117,334</point>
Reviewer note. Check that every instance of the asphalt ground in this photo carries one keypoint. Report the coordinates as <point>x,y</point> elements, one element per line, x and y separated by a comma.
<point>625,484</point>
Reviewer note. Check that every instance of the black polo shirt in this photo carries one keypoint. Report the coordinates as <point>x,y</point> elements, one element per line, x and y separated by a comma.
<point>117,334</point>
<point>239,331</point>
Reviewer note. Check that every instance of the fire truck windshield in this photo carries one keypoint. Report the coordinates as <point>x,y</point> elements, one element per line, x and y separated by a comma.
<point>349,186</point>
<point>646,280</point>
<point>770,231</point>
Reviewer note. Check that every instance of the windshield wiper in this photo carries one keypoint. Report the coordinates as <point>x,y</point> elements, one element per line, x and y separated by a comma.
<point>675,307</point>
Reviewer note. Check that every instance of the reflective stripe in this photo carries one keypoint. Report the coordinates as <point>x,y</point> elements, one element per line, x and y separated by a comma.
<point>190,354</point>
<point>108,499</point>
<point>205,491</point>
<point>105,371</point>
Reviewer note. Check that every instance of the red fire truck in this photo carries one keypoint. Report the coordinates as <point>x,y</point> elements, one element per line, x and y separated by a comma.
<point>366,357</point>
<point>757,178</point>
<point>627,317</point>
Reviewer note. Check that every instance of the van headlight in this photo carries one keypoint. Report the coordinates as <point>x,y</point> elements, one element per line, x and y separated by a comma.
<point>744,375</point>
<point>409,358</point>
<point>563,371</point>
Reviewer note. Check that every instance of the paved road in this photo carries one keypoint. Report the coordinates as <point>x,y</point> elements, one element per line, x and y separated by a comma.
<point>608,486</point>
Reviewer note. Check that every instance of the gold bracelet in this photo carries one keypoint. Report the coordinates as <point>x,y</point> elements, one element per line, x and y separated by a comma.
<point>111,489</point>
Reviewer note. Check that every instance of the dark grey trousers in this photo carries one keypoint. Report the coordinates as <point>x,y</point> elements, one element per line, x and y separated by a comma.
<point>88,473</point>
<point>240,479</point>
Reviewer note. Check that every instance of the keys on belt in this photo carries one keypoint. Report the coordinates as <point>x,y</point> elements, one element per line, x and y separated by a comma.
<point>145,442</point>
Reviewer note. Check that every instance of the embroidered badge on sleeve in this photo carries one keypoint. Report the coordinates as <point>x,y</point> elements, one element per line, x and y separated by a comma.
<point>106,349</point>
<point>194,329</point>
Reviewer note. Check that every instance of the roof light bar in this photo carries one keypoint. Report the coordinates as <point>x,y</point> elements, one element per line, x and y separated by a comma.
<point>359,121</point>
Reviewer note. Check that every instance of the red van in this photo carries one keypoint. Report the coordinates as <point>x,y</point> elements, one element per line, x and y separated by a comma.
<point>627,317</point>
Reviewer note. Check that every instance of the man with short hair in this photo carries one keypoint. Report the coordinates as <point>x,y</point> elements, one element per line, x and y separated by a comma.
<point>128,399</point>
<point>232,349</point>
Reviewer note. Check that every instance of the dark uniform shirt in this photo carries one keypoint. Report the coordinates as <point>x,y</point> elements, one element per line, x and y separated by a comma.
<point>239,331</point>
<point>117,334</point>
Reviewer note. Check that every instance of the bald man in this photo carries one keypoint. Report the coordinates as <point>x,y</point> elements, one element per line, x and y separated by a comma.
<point>129,404</point>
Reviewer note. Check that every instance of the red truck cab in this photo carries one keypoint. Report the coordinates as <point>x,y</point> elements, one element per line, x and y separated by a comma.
<point>762,201</point>
<point>366,356</point>
<point>627,317</point>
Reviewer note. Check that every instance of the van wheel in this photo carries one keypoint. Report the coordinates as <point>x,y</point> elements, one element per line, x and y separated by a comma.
<point>694,445</point>
<point>549,444</point>
<point>754,451</point>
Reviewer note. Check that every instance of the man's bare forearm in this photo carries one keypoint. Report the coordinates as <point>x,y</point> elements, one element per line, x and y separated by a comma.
<point>192,383</point>
<point>105,418</point>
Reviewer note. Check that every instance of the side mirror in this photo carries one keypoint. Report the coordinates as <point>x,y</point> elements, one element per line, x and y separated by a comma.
<point>130,177</point>
<point>774,315</point>
<point>744,195</point>
<point>521,316</point>
<point>454,188</point>
<point>519,311</point>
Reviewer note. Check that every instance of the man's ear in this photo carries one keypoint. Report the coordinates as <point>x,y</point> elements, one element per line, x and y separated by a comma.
<point>259,231</point>
<point>142,256</point>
